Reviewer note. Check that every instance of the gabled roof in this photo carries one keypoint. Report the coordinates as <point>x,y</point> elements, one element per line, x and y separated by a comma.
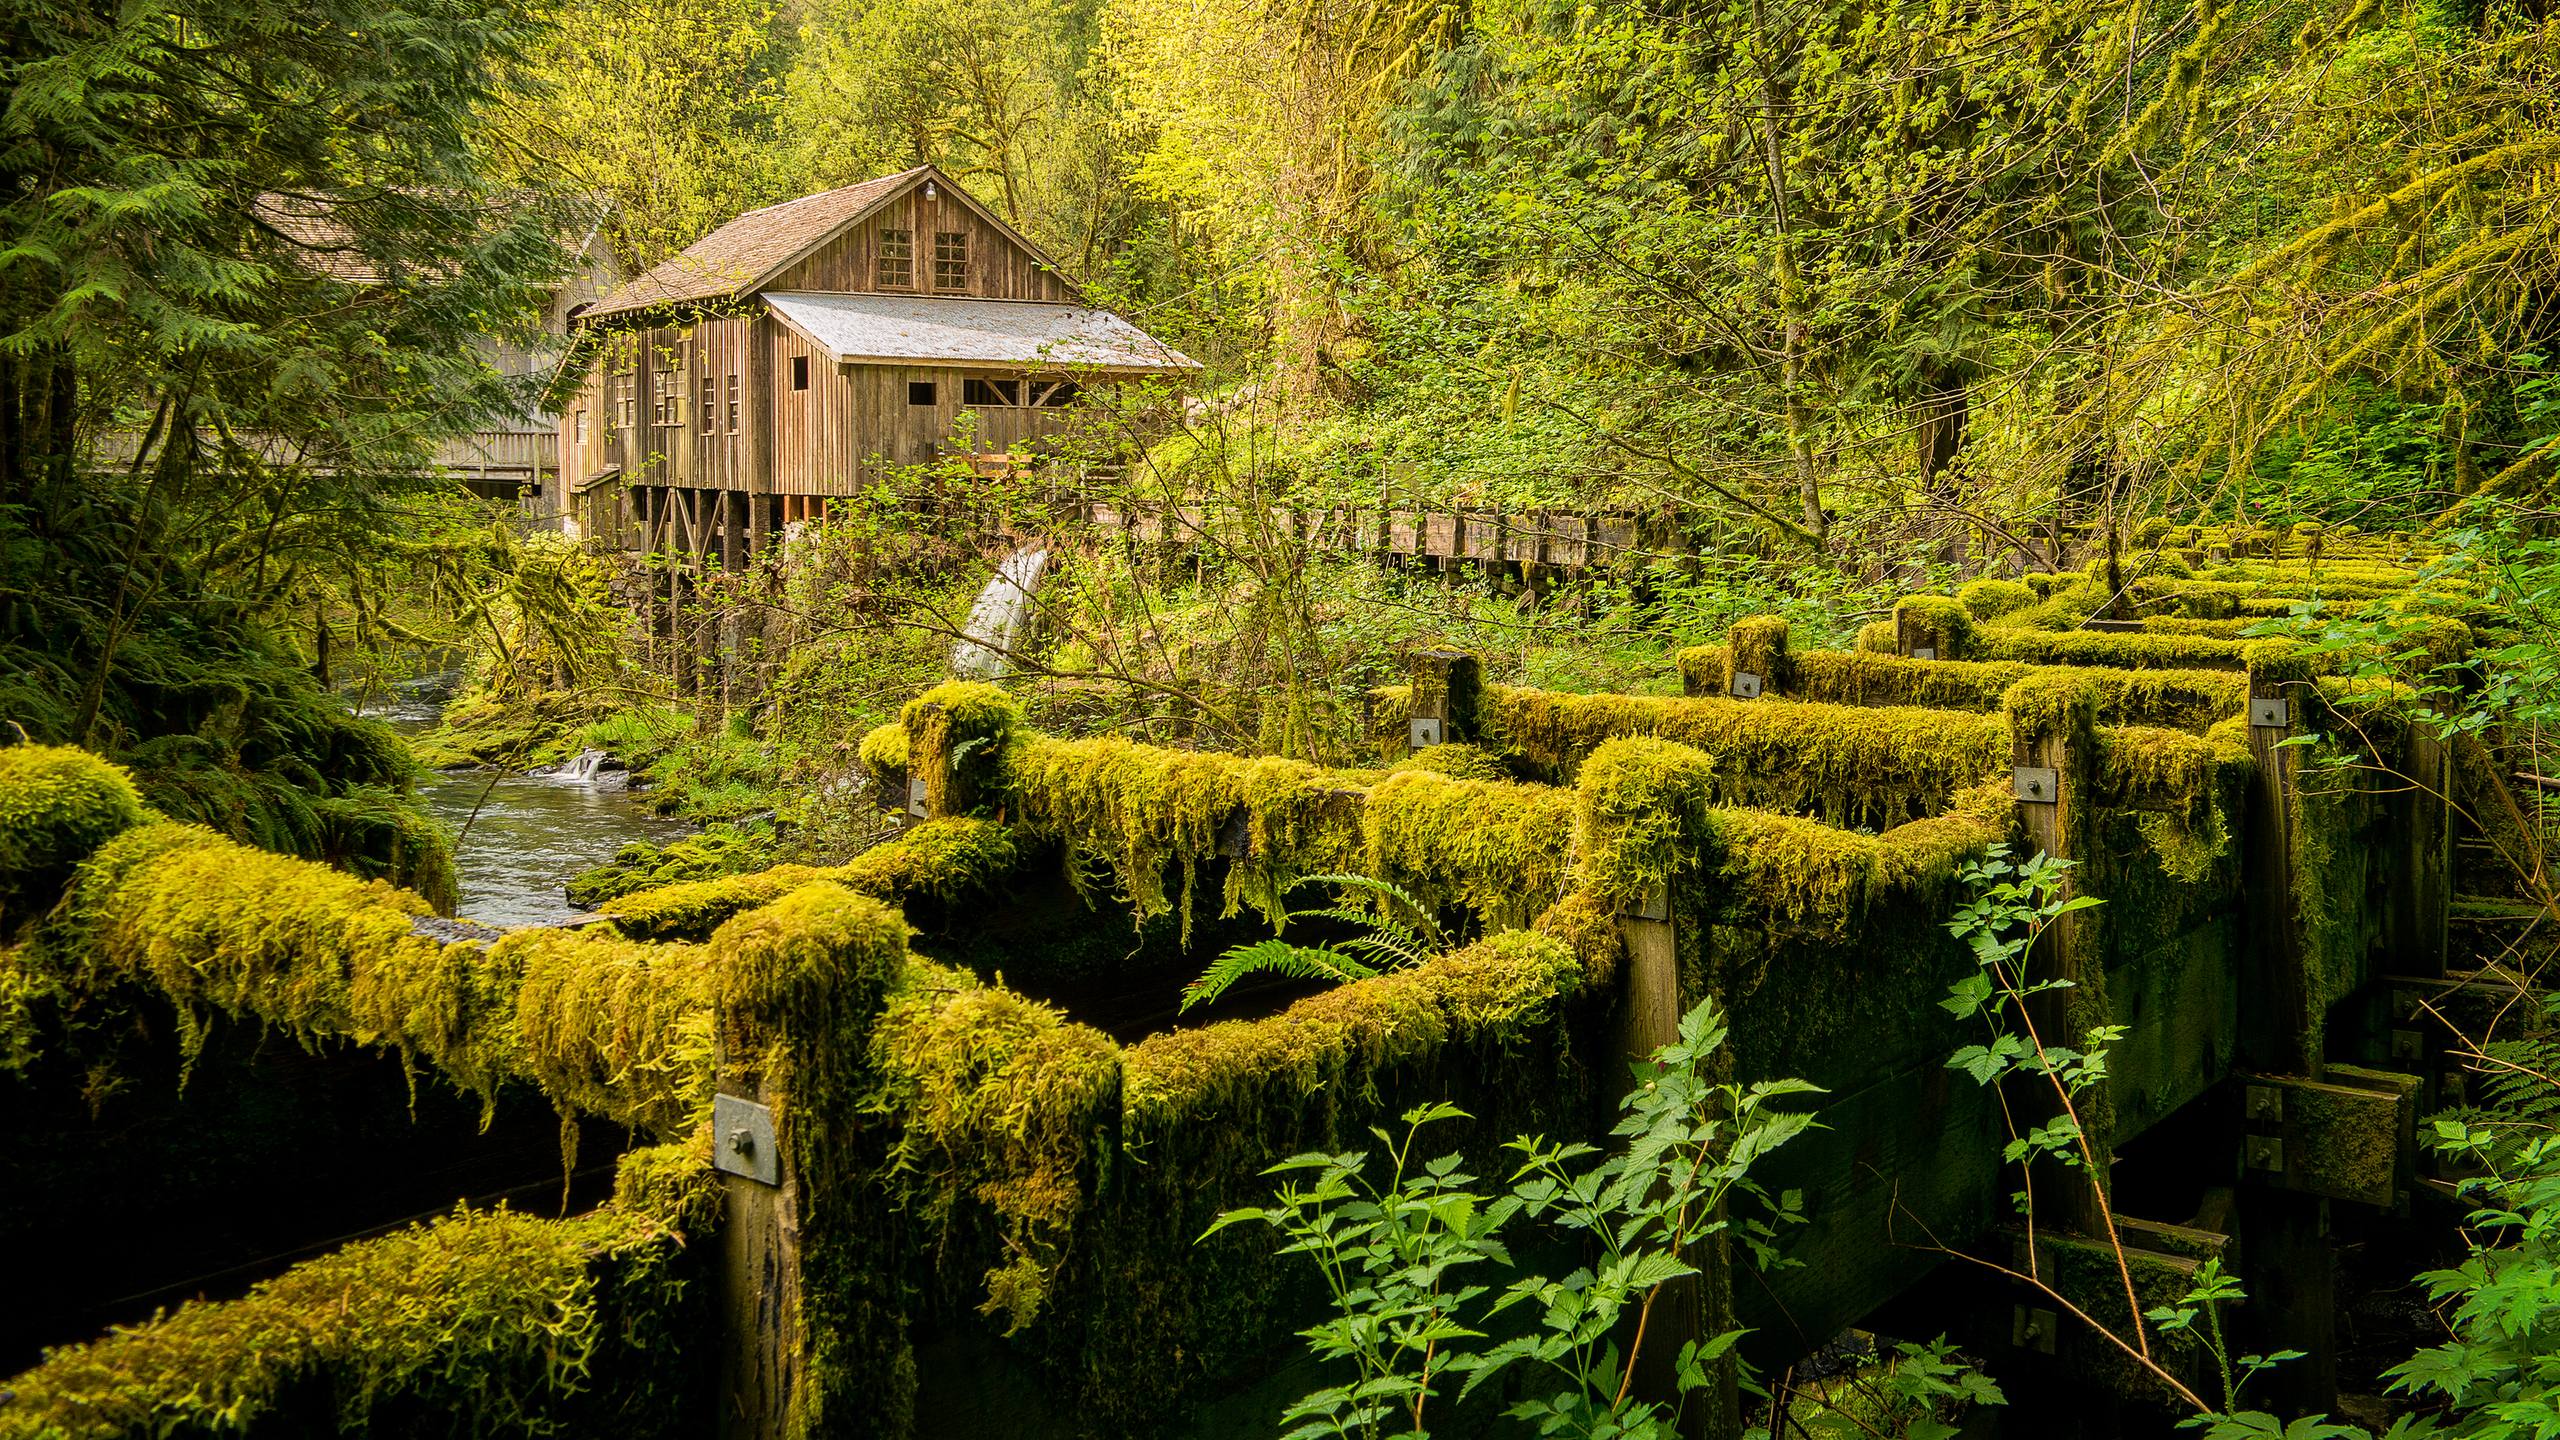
<point>751,251</point>
<point>964,331</point>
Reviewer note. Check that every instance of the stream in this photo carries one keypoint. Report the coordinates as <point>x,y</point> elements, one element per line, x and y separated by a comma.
<point>532,832</point>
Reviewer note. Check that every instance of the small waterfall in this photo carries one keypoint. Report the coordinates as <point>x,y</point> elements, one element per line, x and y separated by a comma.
<point>579,769</point>
<point>997,620</point>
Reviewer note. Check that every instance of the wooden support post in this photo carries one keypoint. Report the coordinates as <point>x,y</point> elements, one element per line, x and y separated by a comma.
<point>2051,727</point>
<point>757,1293</point>
<point>2288,1264</point>
<point>2423,812</point>
<point>1757,662</point>
<point>1932,628</point>
<point>1447,687</point>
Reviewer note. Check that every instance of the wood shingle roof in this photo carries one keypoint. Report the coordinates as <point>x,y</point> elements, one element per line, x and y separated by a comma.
<point>735,258</point>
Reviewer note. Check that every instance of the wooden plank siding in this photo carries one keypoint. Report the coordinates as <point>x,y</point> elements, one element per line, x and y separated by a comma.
<point>998,268</point>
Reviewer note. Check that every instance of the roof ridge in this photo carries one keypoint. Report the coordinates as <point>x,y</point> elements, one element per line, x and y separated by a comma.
<point>812,195</point>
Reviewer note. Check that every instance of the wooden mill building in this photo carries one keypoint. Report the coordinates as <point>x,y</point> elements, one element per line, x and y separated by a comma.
<point>794,352</point>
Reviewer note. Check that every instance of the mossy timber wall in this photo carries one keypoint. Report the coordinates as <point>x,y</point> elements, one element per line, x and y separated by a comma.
<point>990,1193</point>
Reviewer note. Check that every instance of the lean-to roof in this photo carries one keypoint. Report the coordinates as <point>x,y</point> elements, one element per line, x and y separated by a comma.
<point>958,330</point>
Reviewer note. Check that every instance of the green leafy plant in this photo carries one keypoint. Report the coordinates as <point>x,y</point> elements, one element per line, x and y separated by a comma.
<point>1401,1257</point>
<point>1396,930</point>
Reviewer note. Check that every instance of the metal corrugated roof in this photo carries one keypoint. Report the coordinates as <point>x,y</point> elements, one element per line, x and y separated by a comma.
<point>967,331</point>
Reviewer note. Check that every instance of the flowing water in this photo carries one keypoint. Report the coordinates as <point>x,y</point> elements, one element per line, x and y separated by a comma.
<point>528,834</point>
<point>997,620</point>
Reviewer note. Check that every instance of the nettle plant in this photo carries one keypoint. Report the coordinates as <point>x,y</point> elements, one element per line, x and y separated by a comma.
<point>2016,902</point>
<point>1416,1260</point>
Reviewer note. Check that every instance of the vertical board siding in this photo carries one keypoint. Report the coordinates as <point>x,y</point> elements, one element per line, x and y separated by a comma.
<point>999,269</point>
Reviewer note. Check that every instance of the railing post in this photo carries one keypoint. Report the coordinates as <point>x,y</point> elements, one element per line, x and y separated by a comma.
<point>1757,662</point>
<point>2289,1269</point>
<point>1932,627</point>
<point>2052,723</point>
<point>1447,688</point>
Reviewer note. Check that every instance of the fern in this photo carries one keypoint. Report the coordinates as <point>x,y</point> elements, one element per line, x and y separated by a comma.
<point>1273,957</point>
<point>1397,930</point>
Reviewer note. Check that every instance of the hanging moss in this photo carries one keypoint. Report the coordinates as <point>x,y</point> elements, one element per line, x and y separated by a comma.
<point>482,1323</point>
<point>1001,1100</point>
<point>1148,814</point>
<point>1784,869</point>
<point>614,1028</point>
<point>948,860</point>
<point>57,806</point>
<point>673,1184</point>
<point>1583,922</point>
<point>1847,764</point>
<point>961,737</point>
<point>2176,780</point>
<point>1503,851</point>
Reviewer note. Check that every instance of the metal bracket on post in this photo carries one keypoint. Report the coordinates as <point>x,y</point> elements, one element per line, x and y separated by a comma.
<point>1744,686</point>
<point>1654,904</point>
<point>1924,652</point>
<point>2032,1328</point>
<point>2036,784</point>
<point>1235,836</point>
<point>915,796</point>
<point>1423,732</point>
<point>742,1140</point>
<point>2269,712</point>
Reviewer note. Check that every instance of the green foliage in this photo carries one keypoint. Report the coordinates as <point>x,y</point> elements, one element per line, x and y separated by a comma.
<point>1394,930</point>
<point>1402,1258</point>
<point>486,1323</point>
<point>641,865</point>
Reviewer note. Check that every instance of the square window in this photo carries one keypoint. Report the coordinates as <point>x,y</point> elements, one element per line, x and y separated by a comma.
<point>951,260</point>
<point>799,372</point>
<point>920,392</point>
<point>897,260</point>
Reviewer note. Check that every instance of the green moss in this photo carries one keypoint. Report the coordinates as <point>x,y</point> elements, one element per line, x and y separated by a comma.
<point>1642,810</point>
<point>1850,765</point>
<point>884,749</point>
<point>961,736</point>
<point>1878,637</point>
<point>1948,620</point>
<point>816,963</point>
<point>1458,762</point>
<point>673,1184</point>
<point>1987,599</point>
<point>379,834</point>
<point>1503,851</point>
<point>2183,699</point>
<point>2129,650</point>
<point>2151,532</point>
<point>946,860</point>
<point>1584,923</point>
<point>57,806</point>
<point>1001,1100</point>
<point>492,1322</point>
<point>612,1027</point>
<point>1148,816</point>
<point>1759,647</point>
<point>641,865</point>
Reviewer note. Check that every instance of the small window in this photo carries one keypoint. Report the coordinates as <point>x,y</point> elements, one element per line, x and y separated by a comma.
<point>734,406</point>
<point>951,260</point>
<point>1055,395</point>
<point>581,429</point>
<point>991,394</point>
<point>897,260</point>
<point>920,392</point>
<point>710,406</point>
<point>799,372</point>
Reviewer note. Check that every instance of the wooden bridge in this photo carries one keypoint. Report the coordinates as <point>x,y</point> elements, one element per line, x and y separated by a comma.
<point>962,1147</point>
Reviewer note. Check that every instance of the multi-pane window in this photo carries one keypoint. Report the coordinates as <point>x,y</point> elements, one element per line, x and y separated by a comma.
<point>666,397</point>
<point>951,260</point>
<point>710,407</point>
<point>897,260</point>
<point>626,397</point>
<point>734,407</point>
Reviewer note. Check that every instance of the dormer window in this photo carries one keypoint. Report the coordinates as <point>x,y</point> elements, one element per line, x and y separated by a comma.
<point>897,260</point>
<point>951,260</point>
